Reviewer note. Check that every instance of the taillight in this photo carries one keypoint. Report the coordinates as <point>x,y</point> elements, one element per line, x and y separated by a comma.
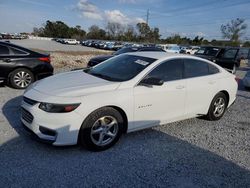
<point>237,79</point>
<point>45,59</point>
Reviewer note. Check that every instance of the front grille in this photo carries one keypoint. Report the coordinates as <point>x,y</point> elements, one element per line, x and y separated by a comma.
<point>29,101</point>
<point>26,116</point>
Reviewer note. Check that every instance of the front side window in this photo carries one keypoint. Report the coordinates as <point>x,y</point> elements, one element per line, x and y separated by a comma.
<point>121,68</point>
<point>195,68</point>
<point>168,71</point>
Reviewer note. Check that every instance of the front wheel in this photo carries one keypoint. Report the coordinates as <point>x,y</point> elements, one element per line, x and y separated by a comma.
<point>217,107</point>
<point>101,129</point>
<point>21,78</point>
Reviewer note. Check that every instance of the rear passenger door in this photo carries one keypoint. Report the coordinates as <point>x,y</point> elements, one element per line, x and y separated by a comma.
<point>228,59</point>
<point>161,104</point>
<point>202,85</point>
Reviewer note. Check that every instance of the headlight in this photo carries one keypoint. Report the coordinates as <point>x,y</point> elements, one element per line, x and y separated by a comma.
<point>58,108</point>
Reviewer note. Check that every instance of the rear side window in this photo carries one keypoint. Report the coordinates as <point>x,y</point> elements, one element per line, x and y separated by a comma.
<point>230,54</point>
<point>168,71</point>
<point>4,50</point>
<point>195,68</point>
<point>16,51</point>
<point>208,51</point>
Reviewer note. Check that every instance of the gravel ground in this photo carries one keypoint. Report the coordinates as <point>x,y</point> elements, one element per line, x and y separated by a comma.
<point>191,153</point>
<point>51,46</point>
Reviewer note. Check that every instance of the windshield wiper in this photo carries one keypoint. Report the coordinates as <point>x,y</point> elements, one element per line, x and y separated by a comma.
<point>105,77</point>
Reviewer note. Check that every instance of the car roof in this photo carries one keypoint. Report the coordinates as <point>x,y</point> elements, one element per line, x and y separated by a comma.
<point>156,54</point>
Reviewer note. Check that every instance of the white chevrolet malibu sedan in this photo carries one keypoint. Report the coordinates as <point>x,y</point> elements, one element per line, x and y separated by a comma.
<point>129,92</point>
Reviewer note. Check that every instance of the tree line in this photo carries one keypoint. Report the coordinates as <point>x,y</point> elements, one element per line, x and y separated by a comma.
<point>141,32</point>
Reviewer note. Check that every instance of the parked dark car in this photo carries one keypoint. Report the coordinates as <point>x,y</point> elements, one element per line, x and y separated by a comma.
<point>228,58</point>
<point>19,67</point>
<point>98,59</point>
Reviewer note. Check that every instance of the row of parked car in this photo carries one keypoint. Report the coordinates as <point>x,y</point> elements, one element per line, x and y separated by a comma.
<point>105,45</point>
<point>19,66</point>
<point>67,41</point>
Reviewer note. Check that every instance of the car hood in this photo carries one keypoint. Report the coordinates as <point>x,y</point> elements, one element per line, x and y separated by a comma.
<point>73,84</point>
<point>101,58</point>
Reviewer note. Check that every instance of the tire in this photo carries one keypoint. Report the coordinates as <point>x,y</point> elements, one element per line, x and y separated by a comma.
<point>21,78</point>
<point>97,128</point>
<point>220,102</point>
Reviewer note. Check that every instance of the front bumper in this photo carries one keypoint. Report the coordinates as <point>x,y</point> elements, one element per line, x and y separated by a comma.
<point>33,135</point>
<point>55,128</point>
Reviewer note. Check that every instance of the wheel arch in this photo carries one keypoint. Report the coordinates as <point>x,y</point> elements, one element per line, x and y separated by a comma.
<point>124,116</point>
<point>21,67</point>
<point>119,109</point>
<point>226,94</point>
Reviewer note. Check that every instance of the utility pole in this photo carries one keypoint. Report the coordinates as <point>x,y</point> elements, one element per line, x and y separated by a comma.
<point>147,16</point>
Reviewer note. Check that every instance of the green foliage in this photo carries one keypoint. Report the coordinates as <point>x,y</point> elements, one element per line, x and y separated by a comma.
<point>177,39</point>
<point>246,44</point>
<point>96,33</point>
<point>148,34</point>
<point>234,30</point>
<point>59,29</point>
<point>141,32</point>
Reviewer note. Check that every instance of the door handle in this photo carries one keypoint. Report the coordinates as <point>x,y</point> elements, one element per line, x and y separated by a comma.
<point>7,60</point>
<point>180,87</point>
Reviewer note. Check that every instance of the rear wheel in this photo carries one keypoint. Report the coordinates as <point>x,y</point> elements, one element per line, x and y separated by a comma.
<point>217,107</point>
<point>101,129</point>
<point>21,78</point>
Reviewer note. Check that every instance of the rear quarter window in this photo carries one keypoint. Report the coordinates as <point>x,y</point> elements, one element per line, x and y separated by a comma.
<point>213,69</point>
<point>16,51</point>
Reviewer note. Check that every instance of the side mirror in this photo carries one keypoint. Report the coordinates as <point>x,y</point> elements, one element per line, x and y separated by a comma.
<point>152,81</point>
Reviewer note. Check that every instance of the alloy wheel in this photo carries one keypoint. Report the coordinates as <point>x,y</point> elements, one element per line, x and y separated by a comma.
<point>104,130</point>
<point>219,107</point>
<point>22,79</point>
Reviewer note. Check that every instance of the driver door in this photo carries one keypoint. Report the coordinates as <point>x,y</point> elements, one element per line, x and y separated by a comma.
<point>154,105</point>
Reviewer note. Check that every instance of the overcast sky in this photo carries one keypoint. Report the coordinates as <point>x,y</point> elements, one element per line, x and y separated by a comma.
<point>185,17</point>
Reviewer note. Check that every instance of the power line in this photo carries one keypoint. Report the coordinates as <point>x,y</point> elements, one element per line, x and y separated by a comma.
<point>147,16</point>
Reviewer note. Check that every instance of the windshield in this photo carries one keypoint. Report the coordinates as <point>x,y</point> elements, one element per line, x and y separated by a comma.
<point>120,68</point>
<point>208,51</point>
<point>125,50</point>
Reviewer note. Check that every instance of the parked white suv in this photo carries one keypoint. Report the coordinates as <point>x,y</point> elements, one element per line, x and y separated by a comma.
<point>126,93</point>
